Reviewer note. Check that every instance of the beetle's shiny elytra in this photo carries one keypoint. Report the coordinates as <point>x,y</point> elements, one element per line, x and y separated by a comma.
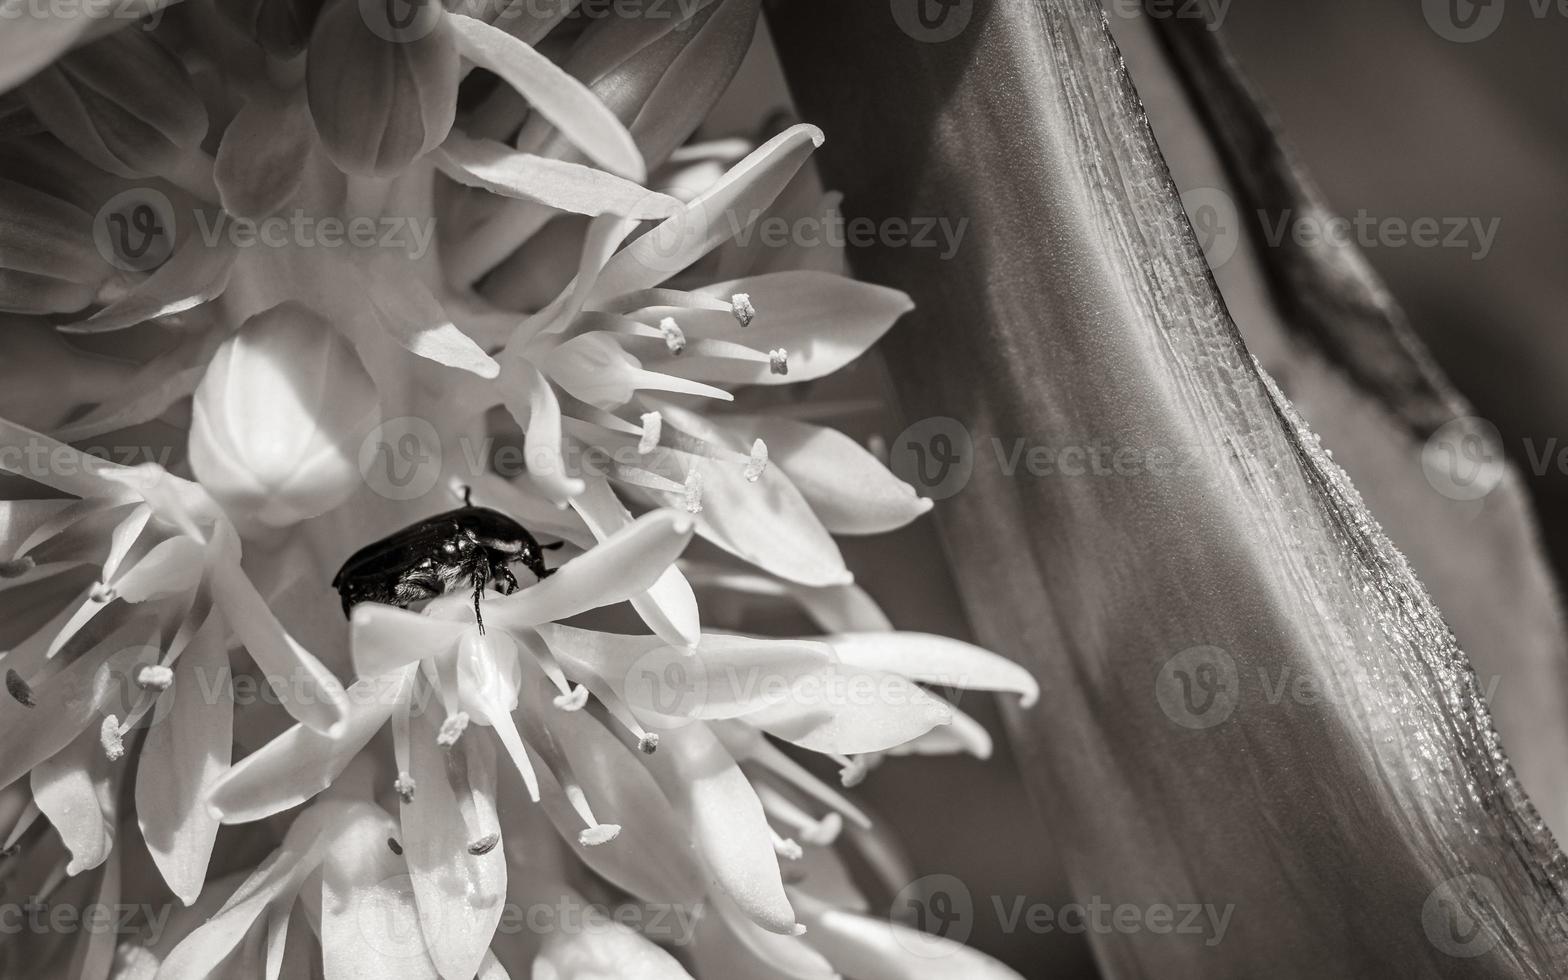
<point>467,547</point>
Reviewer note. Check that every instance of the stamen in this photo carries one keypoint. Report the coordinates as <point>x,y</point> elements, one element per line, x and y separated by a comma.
<point>824,832</point>
<point>452,729</point>
<point>599,834</point>
<point>573,701</point>
<point>485,844</point>
<point>693,491</point>
<point>740,305</point>
<point>853,771</point>
<point>154,677</point>
<point>16,567</point>
<point>758,462</point>
<point>404,787</point>
<point>649,743</point>
<point>19,689</point>
<point>652,429</point>
<point>778,360</point>
<point>101,592</point>
<point>394,846</point>
<point>786,848</point>
<point>112,738</point>
<point>674,338</point>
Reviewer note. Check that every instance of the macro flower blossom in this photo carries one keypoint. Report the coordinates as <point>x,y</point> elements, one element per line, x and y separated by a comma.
<point>315,263</point>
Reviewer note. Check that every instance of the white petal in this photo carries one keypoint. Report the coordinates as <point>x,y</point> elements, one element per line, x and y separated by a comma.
<point>936,660</point>
<point>195,274</point>
<point>71,701</point>
<point>625,565</point>
<point>555,95</point>
<point>385,638</point>
<point>73,790</point>
<point>599,948</point>
<point>185,751</point>
<point>532,402</point>
<point>273,884</point>
<point>848,710</point>
<point>848,488</point>
<point>307,690</point>
<point>749,187</point>
<point>460,896</point>
<point>559,184</point>
<point>369,922</point>
<point>876,949</point>
<point>302,762</point>
<point>413,317</point>
<point>727,823</point>
<point>669,607</point>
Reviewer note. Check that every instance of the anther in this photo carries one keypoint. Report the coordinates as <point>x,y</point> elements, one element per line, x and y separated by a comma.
<point>740,305</point>
<point>674,338</point>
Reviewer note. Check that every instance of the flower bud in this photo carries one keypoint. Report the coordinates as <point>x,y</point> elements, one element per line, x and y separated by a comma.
<point>382,83</point>
<point>281,27</point>
<point>123,102</point>
<point>48,261</point>
<point>278,419</point>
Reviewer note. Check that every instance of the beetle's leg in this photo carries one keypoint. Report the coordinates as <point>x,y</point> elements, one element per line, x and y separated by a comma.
<point>506,581</point>
<point>534,562</point>
<point>552,546</point>
<point>481,576</point>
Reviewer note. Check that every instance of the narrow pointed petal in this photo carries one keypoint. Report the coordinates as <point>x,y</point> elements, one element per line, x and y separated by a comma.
<point>669,607</point>
<point>413,317</point>
<point>386,638</point>
<point>459,895</point>
<point>369,922</point>
<point>728,825</point>
<point>273,884</point>
<point>602,948</point>
<point>843,709</point>
<point>876,949</point>
<point>73,790</point>
<point>749,187</point>
<point>532,402</point>
<point>308,690</point>
<point>626,564</point>
<point>196,273</point>
<point>554,94</point>
<point>848,488</point>
<point>302,762</point>
<point>936,660</point>
<point>185,751</point>
<point>558,184</point>
<point>70,702</point>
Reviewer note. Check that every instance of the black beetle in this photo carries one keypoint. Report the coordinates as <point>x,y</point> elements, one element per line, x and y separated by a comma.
<point>467,546</point>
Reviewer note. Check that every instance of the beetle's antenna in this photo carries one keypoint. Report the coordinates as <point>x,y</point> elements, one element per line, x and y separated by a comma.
<point>468,495</point>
